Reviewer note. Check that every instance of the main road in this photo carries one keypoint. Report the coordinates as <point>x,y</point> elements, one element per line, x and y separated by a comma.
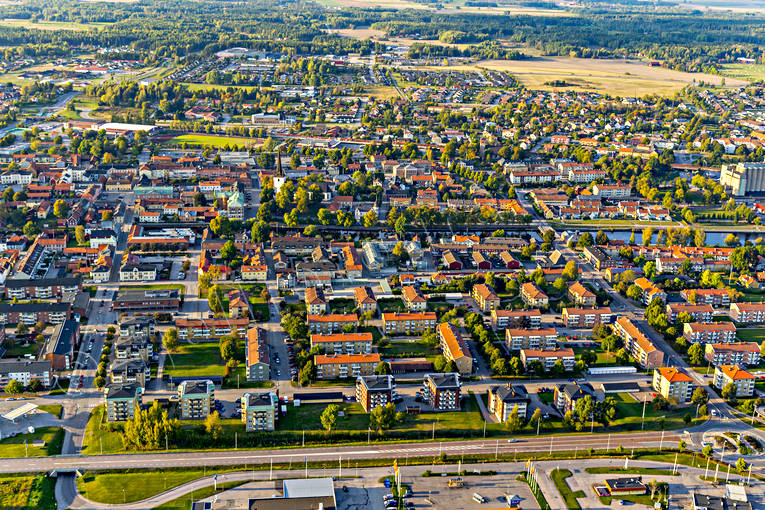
<point>486,447</point>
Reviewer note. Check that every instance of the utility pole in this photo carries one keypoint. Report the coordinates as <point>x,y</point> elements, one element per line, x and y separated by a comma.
<point>642,420</point>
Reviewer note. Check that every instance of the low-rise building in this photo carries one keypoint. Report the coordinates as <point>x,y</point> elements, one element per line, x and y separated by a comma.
<point>548,358</point>
<point>586,317</point>
<point>442,391</point>
<point>138,273</point>
<point>258,366</point>
<point>740,378</point>
<point>699,313</point>
<point>375,391</point>
<point>343,343</point>
<point>414,299</point>
<point>343,366</point>
<point>738,353</point>
<point>25,371</point>
<point>709,332</point>
<point>408,322</point>
<point>747,313</point>
<point>211,329</point>
<point>260,411</point>
<point>503,399</point>
<point>121,400</point>
<point>566,395</point>
<point>315,302</point>
<point>541,338</point>
<point>638,344</point>
<point>650,291</point>
<point>714,297</point>
<point>485,297</point>
<point>196,399</point>
<point>331,323</point>
<point>152,299</point>
<point>502,319</point>
<point>673,384</point>
<point>532,295</point>
<point>365,300</point>
<point>581,295</point>
<point>454,348</point>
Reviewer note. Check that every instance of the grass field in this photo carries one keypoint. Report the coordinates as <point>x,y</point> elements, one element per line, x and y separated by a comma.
<point>97,436</point>
<point>158,286</point>
<point>184,502</point>
<point>27,492</point>
<point>199,359</point>
<point>21,445</point>
<point>50,25</point>
<point>751,335</point>
<point>749,72</point>
<point>210,86</point>
<point>211,140</point>
<point>407,349</point>
<point>615,77</point>
<point>115,488</point>
<point>630,471</point>
<point>54,409</point>
<point>559,478</point>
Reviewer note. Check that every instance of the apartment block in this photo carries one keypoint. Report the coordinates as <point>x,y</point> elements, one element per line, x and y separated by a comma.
<point>502,319</point>
<point>699,313</point>
<point>442,391</point>
<point>331,323</point>
<point>741,379</point>
<point>211,329</point>
<point>747,313</point>
<point>532,295</point>
<point>343,343</point>
<point>260,411</point>
<point>454,348</point>
<point>586,317</point>
<point>673,384</point>
<point>196,399</point>
<point>375,391</point>
<point>414,299</point>
<point>548,358</point>
<point>541,338</point>
<point>581,295</point>
<point>485,297</point>
<point>638,344</point>
<point>343,366</point>
<point>709,332</point>
<point>503,399</point>
<point>257,354</point>
<point>738,353</point>
<point>121,400</point>
<point>408,322</point>
<point>714,297</point>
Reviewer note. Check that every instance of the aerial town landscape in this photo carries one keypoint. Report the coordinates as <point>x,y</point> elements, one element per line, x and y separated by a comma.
<point>382,254</point>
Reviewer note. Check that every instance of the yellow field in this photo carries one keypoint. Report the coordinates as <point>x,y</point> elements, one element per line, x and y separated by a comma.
<point>615,77</point>
<point>49,25</point>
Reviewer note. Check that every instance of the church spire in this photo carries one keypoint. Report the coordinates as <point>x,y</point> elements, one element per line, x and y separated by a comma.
<point>279,171</point>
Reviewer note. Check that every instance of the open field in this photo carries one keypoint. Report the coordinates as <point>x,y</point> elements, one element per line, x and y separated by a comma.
<point>211,86</point>
<point>749,72</point>
<point>201,359</point>
<point>615,77</point>
<point>27,491</point>
<point>212,140</point>
<point>50,25</point>
<point>448,7</point>
<point>21,445</point>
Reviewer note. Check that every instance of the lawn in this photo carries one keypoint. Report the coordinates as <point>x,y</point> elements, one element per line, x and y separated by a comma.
<point>257,303</point>
<point>630,471</point>
<point>751,335</point>
<point>27,492</point>
<point>629,415</point>
<point>211,140</point>
<point>238,379</point>
<point>199,359</point>
<point>17,446</point>
<point>559,478</point>
<point>97,435</point>
<point>135,485</point>
<point>184,502</point>
<point>341,305</point>
<point>400,349</point>
<point>749,72</point>
<point>209,86</point>
<point>54,409</point>
<point>391,305</point>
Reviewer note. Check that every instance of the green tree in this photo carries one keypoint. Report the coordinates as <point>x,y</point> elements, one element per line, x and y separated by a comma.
<point>213,425</point>
<point>696,354</point>
<point>30,229</point>
<point>170,339</point>
<point>384,417</point>
<point>228,350</point>
<point>634,292</point>
<point>13,387</point>
<point>370,219</point>
<point>228,251</point>
<point>329,417</point>
<point>79,235</point>
<point>741,465</point>
<point>700,396</point>
<point>383,368</point>
<point>732,240</point>
<point>60,208</point>
<point>601,238</point>
<point>585,240</point>
<point>260,231</point>
<point>570,271</point>
<point>149,429</point>
<point>729,391</point>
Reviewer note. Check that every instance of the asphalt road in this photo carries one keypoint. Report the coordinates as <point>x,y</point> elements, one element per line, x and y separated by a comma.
<point>155,460</point>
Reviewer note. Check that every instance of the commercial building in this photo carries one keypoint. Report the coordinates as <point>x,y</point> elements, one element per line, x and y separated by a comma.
<point>743,178</point>
<point>548,358</point>
<point>673,384</point>
<point>541,338</point>
<point>138,273</point>
<point>408,322</point>
<point>343,343</point>
<point>454,348</point>
<point>442,391</point>
<point>343,366</point>
<point>709,332</point>
<point>258,366</point>
<point>503,399</point>
<point>485,297</point>
<point>260,411</point>
<point>740,378</point>
<point>196,399</point>
<point>738,353</point>
<point>586,317</point>
<point>121,400</point>
<point>59,347</point>
<point>375,391</point>
<point>152,299</point>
